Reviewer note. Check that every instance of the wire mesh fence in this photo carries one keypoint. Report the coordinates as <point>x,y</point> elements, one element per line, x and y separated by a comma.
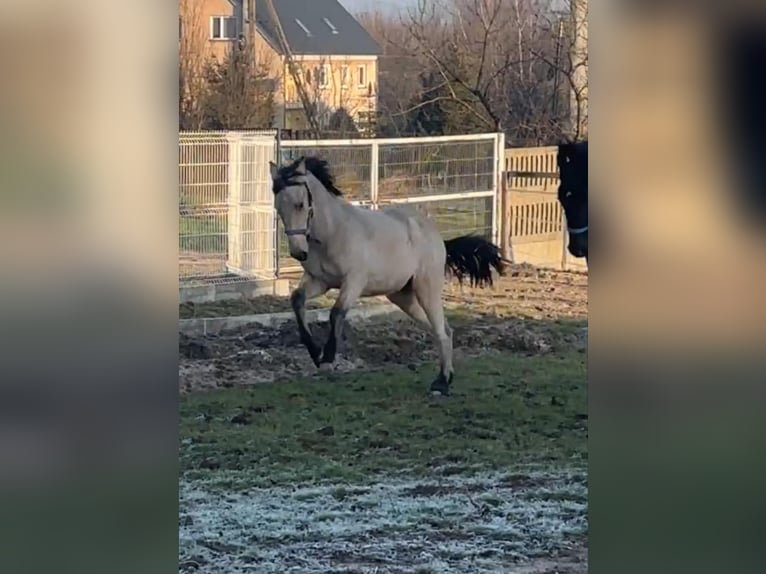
<point>436,168</point>
<point>351,165</point>
<point>223,211</point>
<point>203,210</point>
<point>228,231</point>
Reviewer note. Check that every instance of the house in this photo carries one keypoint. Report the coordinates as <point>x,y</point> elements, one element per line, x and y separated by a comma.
<point>336,57</point>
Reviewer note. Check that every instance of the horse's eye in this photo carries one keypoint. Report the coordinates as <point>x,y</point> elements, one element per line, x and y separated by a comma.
<point>299,206</point>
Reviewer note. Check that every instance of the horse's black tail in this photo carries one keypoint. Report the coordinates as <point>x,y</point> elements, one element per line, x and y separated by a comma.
<point>475,257</point>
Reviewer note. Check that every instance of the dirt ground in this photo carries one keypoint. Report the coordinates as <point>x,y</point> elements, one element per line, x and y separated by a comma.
<point>529,310</point>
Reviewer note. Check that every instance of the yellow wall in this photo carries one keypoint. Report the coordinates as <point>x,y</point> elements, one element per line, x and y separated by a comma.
<point>197,13</point>
<point>336,93</point>
<point>217,48</point>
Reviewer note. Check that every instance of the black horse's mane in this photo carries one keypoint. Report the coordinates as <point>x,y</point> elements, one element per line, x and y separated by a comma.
<point>578,148</point>
<point>577,175</point>
<point>319,169</point>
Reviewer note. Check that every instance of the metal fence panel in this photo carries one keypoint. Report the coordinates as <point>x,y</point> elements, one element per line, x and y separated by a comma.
<point>351,165</point>
<point>252,235</point>
<point>203,208</point>
<point>228,228</point>
<point>222,237</point>
<point>438,168</point>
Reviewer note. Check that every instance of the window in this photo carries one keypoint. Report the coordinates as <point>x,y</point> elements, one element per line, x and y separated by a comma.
<point>303,27</point>
<point>324,75</point>
<point>223,28</point>
<point>361,76</point>
<point>344,75</point>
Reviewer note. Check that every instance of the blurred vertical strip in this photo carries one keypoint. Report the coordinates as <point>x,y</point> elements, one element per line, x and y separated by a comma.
<point>741,78</point>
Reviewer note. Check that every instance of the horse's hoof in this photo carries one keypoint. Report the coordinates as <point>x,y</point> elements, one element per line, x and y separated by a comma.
<point>440,386</point>
<point>326,367</point>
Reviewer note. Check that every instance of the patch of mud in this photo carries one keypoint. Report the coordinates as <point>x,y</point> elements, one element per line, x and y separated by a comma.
<point>482,524</point>
<point>523,313</point>
<point>257,354</point>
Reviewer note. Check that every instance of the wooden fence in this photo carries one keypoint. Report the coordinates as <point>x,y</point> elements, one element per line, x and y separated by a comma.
<point>532,223</point>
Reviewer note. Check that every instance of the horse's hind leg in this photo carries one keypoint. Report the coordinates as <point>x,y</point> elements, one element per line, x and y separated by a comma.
<point>308,288</point>
<point>407,302</point>
<point>429,296</point>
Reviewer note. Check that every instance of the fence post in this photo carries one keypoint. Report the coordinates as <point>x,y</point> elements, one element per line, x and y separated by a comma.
<point>278,161</point>
<point>506,219</point>
<point>374,173</point>
<point>499,167</point>
<point>234,252</point>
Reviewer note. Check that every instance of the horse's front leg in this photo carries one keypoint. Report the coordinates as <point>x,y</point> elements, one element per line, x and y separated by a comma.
<point>309,288</point>
<point>350,292</point>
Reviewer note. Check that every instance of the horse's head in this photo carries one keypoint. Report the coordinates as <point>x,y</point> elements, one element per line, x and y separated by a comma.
<point>295,201</point>
<point>573,194</point>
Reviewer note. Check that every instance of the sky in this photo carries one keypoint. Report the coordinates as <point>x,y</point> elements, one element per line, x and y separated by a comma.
<point>356,6</point>
<point>394,6</point>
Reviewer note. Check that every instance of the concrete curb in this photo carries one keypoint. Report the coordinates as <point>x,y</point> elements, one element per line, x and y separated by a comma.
<point>233,291</point>
<point>214,325</point>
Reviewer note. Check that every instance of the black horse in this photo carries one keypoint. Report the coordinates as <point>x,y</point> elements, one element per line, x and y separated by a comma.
<point>572,160</point>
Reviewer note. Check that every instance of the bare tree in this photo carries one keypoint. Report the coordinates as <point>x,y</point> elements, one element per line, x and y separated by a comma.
<point>455,39</point>
<point>476,65</point>
<point>400,83</point>
<point>192,44</point>
<point>239,93</point>
<point>571,63</point>
<point>579,69</point>
<point>472,65</point>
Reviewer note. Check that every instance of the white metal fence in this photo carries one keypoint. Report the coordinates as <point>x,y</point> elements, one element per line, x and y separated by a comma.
<point>228,231</point>
<point>226,215</point>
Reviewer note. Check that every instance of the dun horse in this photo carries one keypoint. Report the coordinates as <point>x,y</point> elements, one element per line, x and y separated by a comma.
<point>394,252</point>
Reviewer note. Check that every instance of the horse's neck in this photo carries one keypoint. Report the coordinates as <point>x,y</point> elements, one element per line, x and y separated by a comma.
<point>328,213</point>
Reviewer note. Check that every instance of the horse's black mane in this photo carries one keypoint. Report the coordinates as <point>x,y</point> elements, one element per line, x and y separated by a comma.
<point>318,167</point>
<point>573,166</point>
<point>577,149</point>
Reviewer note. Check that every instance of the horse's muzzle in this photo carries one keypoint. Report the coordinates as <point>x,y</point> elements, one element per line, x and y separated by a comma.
<point>300,255</point>
<point>578,245</point>
<point>577,251</point>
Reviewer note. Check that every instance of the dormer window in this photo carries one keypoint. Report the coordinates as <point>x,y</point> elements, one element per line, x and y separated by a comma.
<point>330,25</point>
<point>303,27</point>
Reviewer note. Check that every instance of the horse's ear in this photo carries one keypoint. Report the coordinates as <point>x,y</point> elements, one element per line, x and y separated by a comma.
<point>300,169</point>
<point>274,170</point>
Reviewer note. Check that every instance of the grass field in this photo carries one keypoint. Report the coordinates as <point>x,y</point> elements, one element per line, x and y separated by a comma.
<point>364,472</point>
<point>359,470</point>
<point>356,426</point>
